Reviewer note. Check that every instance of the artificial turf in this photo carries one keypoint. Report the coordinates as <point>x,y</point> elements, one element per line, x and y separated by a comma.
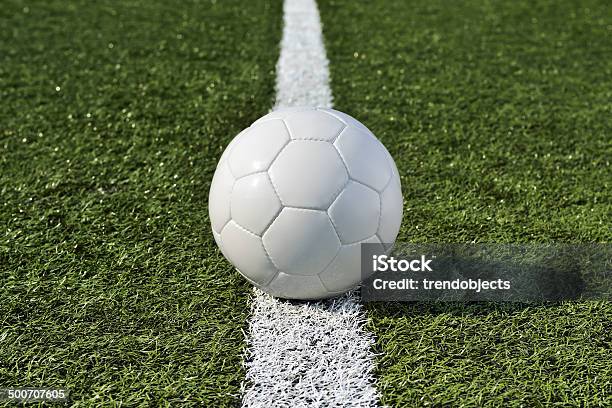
<point>498,115</point>
<point>113,116</point>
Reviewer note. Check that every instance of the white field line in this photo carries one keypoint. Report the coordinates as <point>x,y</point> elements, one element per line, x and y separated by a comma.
<point>302,75</point>
<point>307,354</point>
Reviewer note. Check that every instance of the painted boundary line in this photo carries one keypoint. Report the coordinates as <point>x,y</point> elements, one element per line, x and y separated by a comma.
<point>307,354</point>
<point>302,74</point>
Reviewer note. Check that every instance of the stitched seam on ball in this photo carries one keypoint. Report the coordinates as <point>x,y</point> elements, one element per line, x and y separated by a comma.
<point>246,229</point>
<point>336,291</point>
<point>277,213</point>
<point>345,126</point>
<point>273,277</point>
<point>356,242</point>
<point>260,122</point>
<point>365,185</point>
<point>304,209</point>
<point>259,285</point>
<point>308,139</point>
<point>288,134</point>
<point>336,196</point>
<point>342,158</point>
<point>335,227</point>
<point>316,139</point>
<point>250,174</point>
<point>275,191</point>
<point>262,245</point>
<point>388,185</point>
<point>270,259</point>
<point>339,133</point>
<point>337,192</point>
<point>334,258</point>
<point>223,227</point>
<point>389,167</point>
<point>361,241</point>
<point>267,169</point>
<point>331,262</point>
<point>274,186</point>
<point>328,265</point>
<point>332,115</point>
<point>380,211</point>
<point>391,164</point>
<point>391,172</point>
<point>319,275</point>
<point>230,203</point>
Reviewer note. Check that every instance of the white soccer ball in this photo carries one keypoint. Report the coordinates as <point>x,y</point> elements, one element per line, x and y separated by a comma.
<point>294,196</point>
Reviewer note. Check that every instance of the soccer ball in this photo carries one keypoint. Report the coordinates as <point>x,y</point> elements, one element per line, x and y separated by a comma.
<point>294,196</point>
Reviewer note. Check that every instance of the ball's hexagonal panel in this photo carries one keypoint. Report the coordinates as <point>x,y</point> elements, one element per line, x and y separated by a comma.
<point>219,196</point>
<point>355,213</point>
<point>297,287</point>
<point>349,120</point>
<point>301,242</point>
<point>254,203</point>
<point>392,205</point>
<point>313,125</point>
<point>365,157</point>
<point>308,174</point>
<point>257,146</point>
<point>282,113</point>
<point>246,252</point>
<point>344,273</point>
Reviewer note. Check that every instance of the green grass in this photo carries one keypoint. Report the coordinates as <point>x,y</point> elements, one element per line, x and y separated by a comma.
<point>113,116</point>
<point>498,115</point>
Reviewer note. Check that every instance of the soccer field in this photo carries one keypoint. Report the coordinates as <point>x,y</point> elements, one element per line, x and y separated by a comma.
<point>114,115</point>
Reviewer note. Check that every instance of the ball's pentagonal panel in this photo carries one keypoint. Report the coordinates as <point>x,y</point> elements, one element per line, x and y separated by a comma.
<point>246,252</point>
<point>219,196</point>
<point>282,113</point>
<point>308,174</point>
<point>254,202</point>
<point>349,120</point>
<point>391,205</point>
<point>344,273</point>
<point>301,242</point>
<point>257,146</point>
<point>313,125</point>
<point>355,213</point>
<point>296,287</point>
<point>365,158</point>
